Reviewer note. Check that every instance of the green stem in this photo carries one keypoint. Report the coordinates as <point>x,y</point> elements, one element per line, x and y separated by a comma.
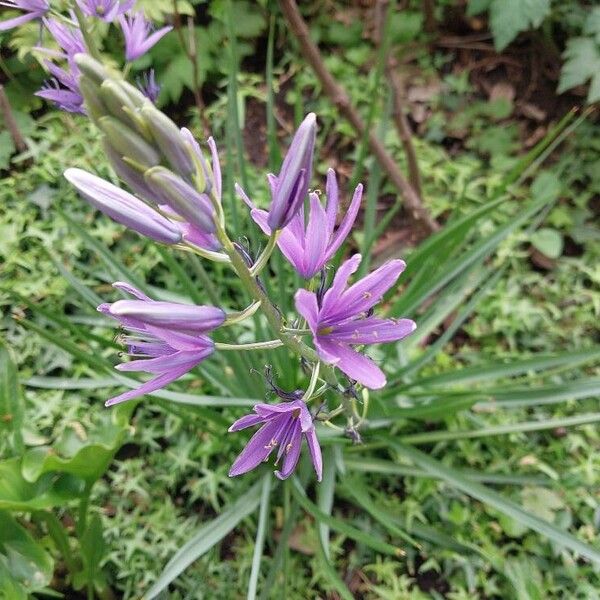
<point>271,313</point>
<point>263,259</point>
<point>84,505</point>
<point>88,39</point>
<point>252,346</point>
<point>238,317</point>
<point>314,378</point>
<point>57,533</point>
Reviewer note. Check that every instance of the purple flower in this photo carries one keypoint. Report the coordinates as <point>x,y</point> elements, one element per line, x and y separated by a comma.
<point>343,319</point>
<point>69,99</point>
<point>124,207</point>
<point>310,246</point>
<point>283,425</point>
<point>148,86</point>
<point>139,37</point>
<point>107,10</point>
<point>168,336</point>
<point>62,89</point>
<point>70,39</point>
<point>289,188</point>
<point>33,9</point>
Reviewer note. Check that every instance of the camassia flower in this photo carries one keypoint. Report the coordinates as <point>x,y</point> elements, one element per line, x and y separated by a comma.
<point>290,187</point>
<point>63,88</point>
<point>168,338</point>
<point>124,207</point>
<point>342,319</point>
<point>107,10</point>
<point>309,246</point>
<point>283,425</point>
<point>139,37</point>
<point>33,9</point>
<point>148,86</point>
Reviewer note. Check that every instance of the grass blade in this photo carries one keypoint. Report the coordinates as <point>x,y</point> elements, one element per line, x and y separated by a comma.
<point>445,436</point>
<point>325,494</point>
<point>265,496</point>
<point>357,535</point>
<point>496,501</point>
<point>207,536</point>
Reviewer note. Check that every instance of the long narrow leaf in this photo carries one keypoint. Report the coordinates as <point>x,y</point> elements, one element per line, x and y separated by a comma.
<point>496,501</point>
<point>207,536</point>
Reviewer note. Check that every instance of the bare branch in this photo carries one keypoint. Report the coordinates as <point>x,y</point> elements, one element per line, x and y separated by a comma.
<point>9,121</point>
<point>340,99</point>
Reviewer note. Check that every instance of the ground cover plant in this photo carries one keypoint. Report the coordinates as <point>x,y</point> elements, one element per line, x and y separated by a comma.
<point>470,472</point>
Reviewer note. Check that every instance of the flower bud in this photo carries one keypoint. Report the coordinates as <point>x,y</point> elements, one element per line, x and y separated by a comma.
<point>91,68</point>
<point>170,141</point>
<point>187,318</point>
<point>132,177</point>
<point>91,95</point>
<point>182,198</point>
<point>296,172</point>
<point>123,207</point>
<point>119,104</point>
<point>128,143</point>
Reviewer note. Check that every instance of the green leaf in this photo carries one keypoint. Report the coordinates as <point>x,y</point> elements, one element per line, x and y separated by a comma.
<point>325,494</point>
<point>438,436</point>
<point>27,562</point>
<point>84,454</point>
<point>12,406</point>
<point>490,371</point>
<point>342,527</point>
<point>93,548</point>
<point>582,63</point>
<point>265,500</point>
<point>496,501</point>
<point>205,538</point>
<point>18,494</point>
<point>509,17</point>
<point>548,241</point>
<point>333,578</point>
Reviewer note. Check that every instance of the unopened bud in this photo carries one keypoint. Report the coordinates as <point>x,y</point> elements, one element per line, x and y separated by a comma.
<point>128,143</point>
<point>169,140</point>
<point>182,198</point>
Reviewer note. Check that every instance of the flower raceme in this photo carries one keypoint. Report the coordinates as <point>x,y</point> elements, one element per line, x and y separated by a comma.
<point>342,319</point>
<point>309,246</point>
<point>168,338</point>
<point>32,9</point>
<point>283,425</point>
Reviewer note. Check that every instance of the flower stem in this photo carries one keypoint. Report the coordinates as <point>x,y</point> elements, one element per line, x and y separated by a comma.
<point>238,317</point>
<point>313,382</point>
<point>263,259</point>
<point>252,346</point>
<point>87,37</point>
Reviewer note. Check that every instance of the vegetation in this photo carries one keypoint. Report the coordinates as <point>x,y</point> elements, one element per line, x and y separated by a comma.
<point>477,474</point>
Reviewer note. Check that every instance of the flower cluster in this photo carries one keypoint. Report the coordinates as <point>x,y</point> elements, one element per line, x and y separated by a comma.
<point>174,198</point>
<point>66,31</point>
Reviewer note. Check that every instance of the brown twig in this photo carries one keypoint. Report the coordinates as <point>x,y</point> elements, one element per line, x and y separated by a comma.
<point>9,121</point>
<point>340,99</point>
<point>191,52</point>
<point>429,15</point>
<point>400,120</point>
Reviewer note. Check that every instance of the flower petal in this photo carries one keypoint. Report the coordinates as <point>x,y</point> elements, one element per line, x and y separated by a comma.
<point>367,292</point>
<point>357,366</point>
<point>317,238</point>
<point>315,452</point>
<point>246,421</point>
<point>150,386</point>
<point>346,224</point>
<point>306,305</point>
<point>332,295</point>
<point>372,330</point>
<point>291,451</point>
<point>257,449</point>
<point>332,193</point>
